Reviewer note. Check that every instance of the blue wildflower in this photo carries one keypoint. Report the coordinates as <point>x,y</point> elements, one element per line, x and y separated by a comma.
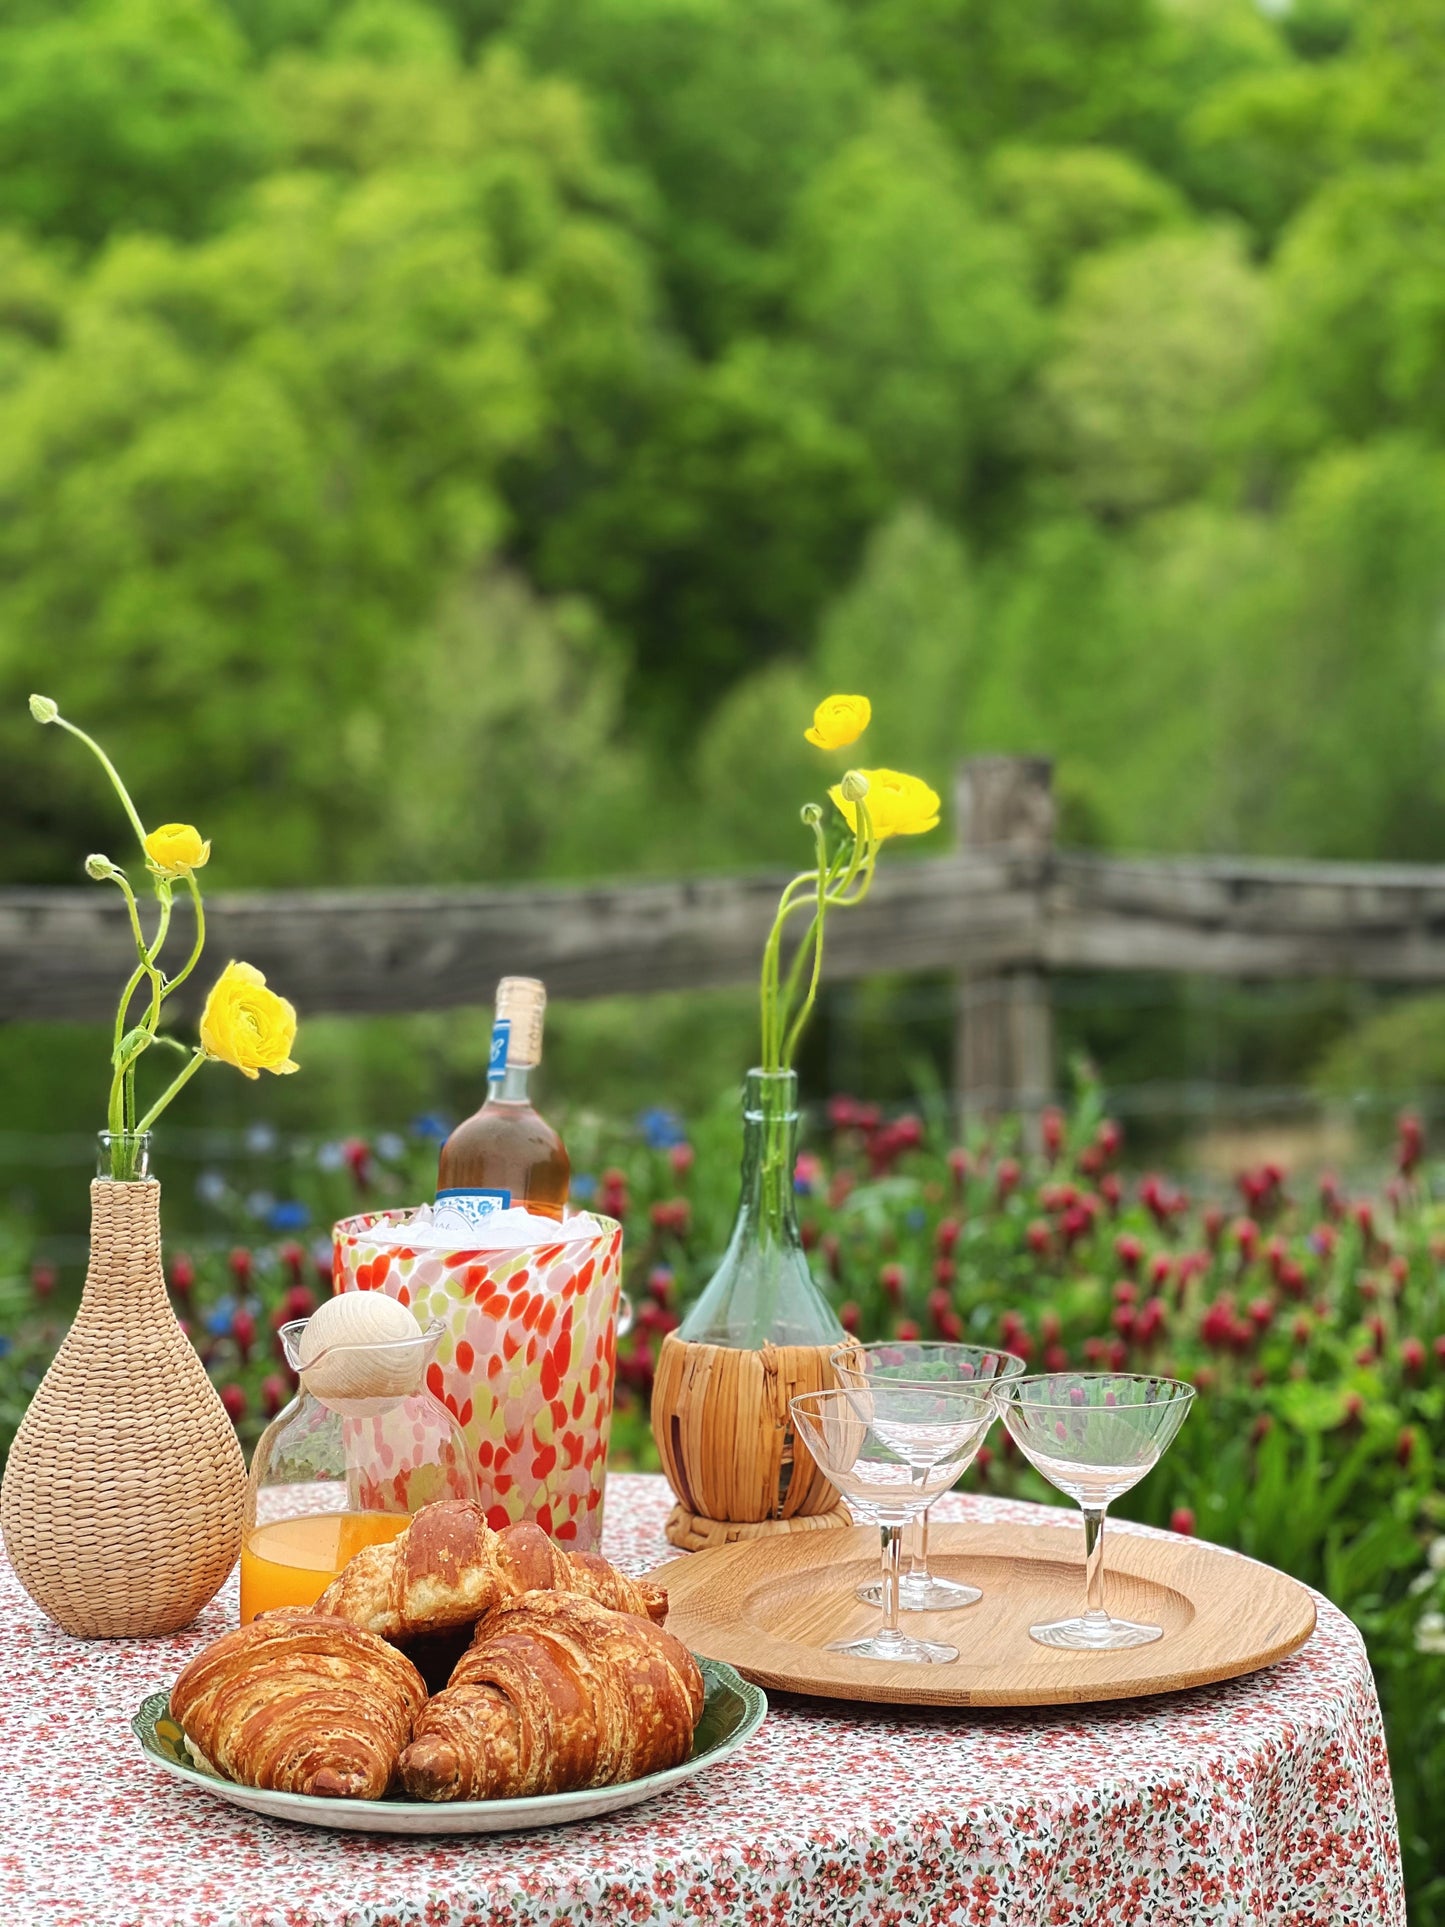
<point>290,1215</point>
<point>331,1157</point>
<point>260,1139</point>
<point>389,1146</point>
<point>915,1218</point>
<point>661,1128</point>
<point>431,1125</point>
<point>220,1316</point>
<point>4,1346</point>
<point>260,1205</point>
<point>584,1186</point>
<point>211,1187</point>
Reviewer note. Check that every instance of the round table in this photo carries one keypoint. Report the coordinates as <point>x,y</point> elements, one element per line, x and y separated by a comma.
<point>1264,1800</point>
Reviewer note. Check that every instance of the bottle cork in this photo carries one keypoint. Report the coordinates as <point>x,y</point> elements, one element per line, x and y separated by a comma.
<point>522,1002</point>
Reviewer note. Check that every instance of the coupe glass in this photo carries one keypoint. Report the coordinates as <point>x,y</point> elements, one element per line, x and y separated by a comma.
<point>1094,1435</point>
<point>922,1362</point>
<point>890,1450</point>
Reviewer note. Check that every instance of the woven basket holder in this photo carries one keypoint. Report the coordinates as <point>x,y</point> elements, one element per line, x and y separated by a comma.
<point>122,1501</point>
<point>720,1418</point>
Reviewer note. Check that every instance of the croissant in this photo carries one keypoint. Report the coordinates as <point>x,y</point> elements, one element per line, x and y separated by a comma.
<point>555,1693</point>
<point>449,1567</point>
<point>300,1704</point>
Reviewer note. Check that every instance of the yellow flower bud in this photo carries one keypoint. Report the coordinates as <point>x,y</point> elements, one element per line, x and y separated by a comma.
<point>246,1024</point>
<point>898,805</point>
<point>175,849</point>
<point>838,721</point>
<point>100,868</point>
<point>43,709</point>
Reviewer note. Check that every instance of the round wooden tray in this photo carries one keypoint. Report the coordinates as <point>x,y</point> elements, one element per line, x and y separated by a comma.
<point>770,1607</point>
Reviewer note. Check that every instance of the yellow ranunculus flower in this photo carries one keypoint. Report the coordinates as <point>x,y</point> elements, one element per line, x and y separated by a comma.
<point>898,805</point>
<point>246,1024</point>
<point>839,721</point>
<point>176,848</point>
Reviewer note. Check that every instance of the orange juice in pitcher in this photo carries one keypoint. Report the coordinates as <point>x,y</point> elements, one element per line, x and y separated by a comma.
<point>362,1446</point>
<point>291,1562</point>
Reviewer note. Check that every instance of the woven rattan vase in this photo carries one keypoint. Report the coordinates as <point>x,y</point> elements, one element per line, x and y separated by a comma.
<point>123,1495</point>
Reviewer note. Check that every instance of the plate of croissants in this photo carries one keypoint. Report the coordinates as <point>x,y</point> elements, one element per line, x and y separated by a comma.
<point>452,1680</point>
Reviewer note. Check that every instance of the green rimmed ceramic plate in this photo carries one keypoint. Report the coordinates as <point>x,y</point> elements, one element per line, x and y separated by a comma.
<point>732,1712</point>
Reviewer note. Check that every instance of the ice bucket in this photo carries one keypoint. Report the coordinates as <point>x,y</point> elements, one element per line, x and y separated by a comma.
<point>525,1363</point>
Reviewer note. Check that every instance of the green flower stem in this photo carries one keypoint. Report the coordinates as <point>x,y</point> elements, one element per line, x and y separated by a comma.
<point>828,886</point>
<point>771,1030</point>
<point>198,1058</point>
<point>862,840</point>
<point>112,772</point>
<point>120,1016</point>
<point>199,944</point>
<point>810,947</point>
<point>121,1108</point>
<point>813,936</point>
<point>846,903</point>
<point>122,1085</point>
<point>142,950</point>
<point>826,900</point>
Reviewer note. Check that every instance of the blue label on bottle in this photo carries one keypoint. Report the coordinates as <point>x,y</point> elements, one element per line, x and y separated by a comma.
<point>462,1210</point>
<point>501,1038</point>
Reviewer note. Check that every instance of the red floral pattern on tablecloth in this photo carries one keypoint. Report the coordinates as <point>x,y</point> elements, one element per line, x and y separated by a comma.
<point>1266,1800</point>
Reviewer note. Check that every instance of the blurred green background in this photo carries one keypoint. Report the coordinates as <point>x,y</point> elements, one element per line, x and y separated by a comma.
<point>461,441</point>
<point>456,441</point>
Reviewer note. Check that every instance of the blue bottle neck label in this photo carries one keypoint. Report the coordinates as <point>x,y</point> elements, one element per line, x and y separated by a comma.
<point>501,1040</point>
<point>463,1210</point>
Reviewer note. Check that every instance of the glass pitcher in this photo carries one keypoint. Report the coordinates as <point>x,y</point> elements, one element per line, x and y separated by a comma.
<point>333,1474</point>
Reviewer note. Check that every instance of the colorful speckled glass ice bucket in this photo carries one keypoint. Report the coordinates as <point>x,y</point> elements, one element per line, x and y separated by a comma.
<point>525,1365</point>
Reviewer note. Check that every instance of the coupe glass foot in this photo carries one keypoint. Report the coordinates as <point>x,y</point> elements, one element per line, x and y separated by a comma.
<point>896,1647</point>
<point>927,1595</point>
<point>1095,1633</point>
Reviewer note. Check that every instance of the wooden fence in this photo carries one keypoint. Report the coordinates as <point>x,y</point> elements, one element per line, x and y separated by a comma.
<point>1002,912</point>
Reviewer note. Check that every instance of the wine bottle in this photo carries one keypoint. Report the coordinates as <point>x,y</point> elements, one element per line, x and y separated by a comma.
<point>506,1153</point>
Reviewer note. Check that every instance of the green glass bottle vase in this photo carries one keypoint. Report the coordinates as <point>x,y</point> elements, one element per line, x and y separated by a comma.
<point>761,1333</point>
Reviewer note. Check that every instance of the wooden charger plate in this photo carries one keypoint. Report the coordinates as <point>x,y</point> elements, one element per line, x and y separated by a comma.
<point>770,1607</point>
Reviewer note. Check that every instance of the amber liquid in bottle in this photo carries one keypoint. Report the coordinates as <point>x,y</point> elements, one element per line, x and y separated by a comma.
<point>507,1153</point>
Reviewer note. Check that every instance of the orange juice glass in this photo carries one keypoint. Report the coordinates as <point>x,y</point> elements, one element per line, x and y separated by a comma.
<point>291,1562</point>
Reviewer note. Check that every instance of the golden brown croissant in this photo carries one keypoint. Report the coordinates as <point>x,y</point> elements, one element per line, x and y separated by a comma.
<point>554,1693</point>
<point>449,1567</point>
<point>301,1704</point>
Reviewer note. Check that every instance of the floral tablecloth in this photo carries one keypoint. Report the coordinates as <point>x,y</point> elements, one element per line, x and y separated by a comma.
<point>1266,1800</point>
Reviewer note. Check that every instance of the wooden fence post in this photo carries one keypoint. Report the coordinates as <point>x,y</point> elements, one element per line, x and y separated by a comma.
<point>1004,1040</point>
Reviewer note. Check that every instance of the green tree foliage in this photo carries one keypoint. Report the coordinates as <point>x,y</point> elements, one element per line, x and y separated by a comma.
<point>1047,70</point>
<point>915,302</point>
<point>724,527</point>
<point>131,114</point>
<point>388,383</point>
<point>1361,290</point>
<point>729,106</point>
<point>1137,430</point>
<point>1068,202</point>
<point>285,439</point>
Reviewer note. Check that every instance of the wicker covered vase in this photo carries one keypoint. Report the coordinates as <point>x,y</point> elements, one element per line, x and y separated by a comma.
<point>122,1501</point>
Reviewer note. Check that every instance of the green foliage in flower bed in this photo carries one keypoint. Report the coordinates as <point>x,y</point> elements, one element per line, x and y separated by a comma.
<point>1313,1325</point>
